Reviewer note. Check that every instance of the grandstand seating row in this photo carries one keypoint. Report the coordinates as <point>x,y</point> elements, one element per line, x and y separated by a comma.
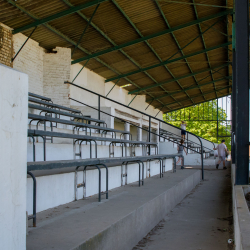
<point>42,111</point>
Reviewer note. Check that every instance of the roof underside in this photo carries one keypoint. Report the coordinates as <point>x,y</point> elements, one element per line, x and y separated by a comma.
<point>176,52</point>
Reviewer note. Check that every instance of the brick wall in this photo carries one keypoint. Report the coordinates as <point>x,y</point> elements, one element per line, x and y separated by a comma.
<point>6,45</point>
<point>56,71</point>
<point>29,61</point>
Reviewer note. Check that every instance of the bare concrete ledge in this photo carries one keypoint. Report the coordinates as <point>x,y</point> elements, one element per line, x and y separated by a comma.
<point>241,216</point>
<point>117,223</point>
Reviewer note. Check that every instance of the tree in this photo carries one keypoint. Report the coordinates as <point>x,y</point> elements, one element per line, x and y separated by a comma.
<point>202,120</point>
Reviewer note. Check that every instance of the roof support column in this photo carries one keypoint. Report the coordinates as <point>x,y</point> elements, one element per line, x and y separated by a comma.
<point>242,85</point>
<point>233,100</point>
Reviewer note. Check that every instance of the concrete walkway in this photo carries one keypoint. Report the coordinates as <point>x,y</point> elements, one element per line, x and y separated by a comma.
<point>200,222</point>
<point>114,224</point>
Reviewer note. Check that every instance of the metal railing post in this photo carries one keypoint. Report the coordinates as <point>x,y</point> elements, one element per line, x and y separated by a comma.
<point>149,135</point>
<point>202,165</point>
<point>149,116</point>
<point>99,107</point>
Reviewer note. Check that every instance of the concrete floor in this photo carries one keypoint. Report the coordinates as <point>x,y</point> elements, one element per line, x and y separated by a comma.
<point>114,224</point>
<point>200,222</point>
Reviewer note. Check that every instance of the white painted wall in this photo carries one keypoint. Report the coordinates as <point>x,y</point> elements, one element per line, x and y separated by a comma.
<point>167,148</point>
<point>96,83</point>
<point>13,155</point>
<point>29,61</point>
<point>56,71</point>
<point>58,189</point>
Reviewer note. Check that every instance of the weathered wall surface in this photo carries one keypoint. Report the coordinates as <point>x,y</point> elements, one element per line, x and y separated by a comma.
<point>6,45</point>
<point>13,155</point>
<point>56,70</point>
<point>92,81</point>
<point>29,61</point>
<point>47,71</point>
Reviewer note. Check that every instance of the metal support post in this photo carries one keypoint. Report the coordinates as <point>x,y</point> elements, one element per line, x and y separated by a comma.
<point>23,45</point>
<point>233,100</point>
<point>233,104</point>
<point>242,85</point>
<point>112,87</point>
<point>133,99</point>
<point>80,70</point>
<point>84,31</point>
<point>149,135</point>
<point>99,107</point>
<point>217,119</point>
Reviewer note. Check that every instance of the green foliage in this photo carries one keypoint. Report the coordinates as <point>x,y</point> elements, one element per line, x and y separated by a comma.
<point>202,120</point>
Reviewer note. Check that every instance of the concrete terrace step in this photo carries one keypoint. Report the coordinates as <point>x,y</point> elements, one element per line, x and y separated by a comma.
<point>201,221</point>
<point>117,223</point>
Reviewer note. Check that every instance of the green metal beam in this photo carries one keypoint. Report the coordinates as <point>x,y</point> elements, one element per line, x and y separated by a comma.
<point>176,79</point>
<point>199,4</point>
<point>229,86</point>
<point>203,41</point>
<point>177,43</point>
<point>147,43</point>
<point>179,47</point>
<point>58,15</point>
<point>109,39</point>
<point>192,87</point>
<point>168,62</point>
<point>85,29</point>
<point>69,40</point>
<point>197,103</point>
<point>142,39</point>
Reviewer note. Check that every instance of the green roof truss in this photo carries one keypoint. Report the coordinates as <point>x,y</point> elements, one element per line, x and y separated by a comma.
<point>168,61</point>
<point>57,15</point>
<point>142,39</point>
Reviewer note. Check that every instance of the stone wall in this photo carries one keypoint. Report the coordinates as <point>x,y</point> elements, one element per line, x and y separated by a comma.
<point>47,71</point>
<point>6,46</point>
<point>29,61</point>
<point>56,71</point>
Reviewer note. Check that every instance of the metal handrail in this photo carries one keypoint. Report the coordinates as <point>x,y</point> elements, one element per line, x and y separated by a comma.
<point>150,117</point>
<point>67,82</point>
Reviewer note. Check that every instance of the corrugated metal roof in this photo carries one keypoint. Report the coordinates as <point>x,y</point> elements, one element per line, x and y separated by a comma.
<point>120,21</point>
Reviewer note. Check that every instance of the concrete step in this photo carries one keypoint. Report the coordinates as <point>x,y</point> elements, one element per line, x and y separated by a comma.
<point>117,223</point>
<point>201,221</point>
<point>64,151</point>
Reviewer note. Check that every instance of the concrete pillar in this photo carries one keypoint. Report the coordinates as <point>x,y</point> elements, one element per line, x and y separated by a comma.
<point>13,155</point>
<point>139,134</point>
<point>242,92</point>
<point>56,70</point>
<point>126,128</point>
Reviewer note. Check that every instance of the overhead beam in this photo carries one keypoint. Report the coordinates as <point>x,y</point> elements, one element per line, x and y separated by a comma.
<point>58,15</point>
<point>68,39</point>
<point>110,40</point>
<point>197,103</point>
<point>187,99</point>
<point>176,41</point>
<point>176,79</point>
<point>203,41</point>
<point>142,39</point>
<point>192,87</point>
<point>168,62</point>
<point>146,42</point>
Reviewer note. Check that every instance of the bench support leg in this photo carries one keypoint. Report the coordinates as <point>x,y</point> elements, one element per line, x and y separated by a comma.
<point>34,199</point>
